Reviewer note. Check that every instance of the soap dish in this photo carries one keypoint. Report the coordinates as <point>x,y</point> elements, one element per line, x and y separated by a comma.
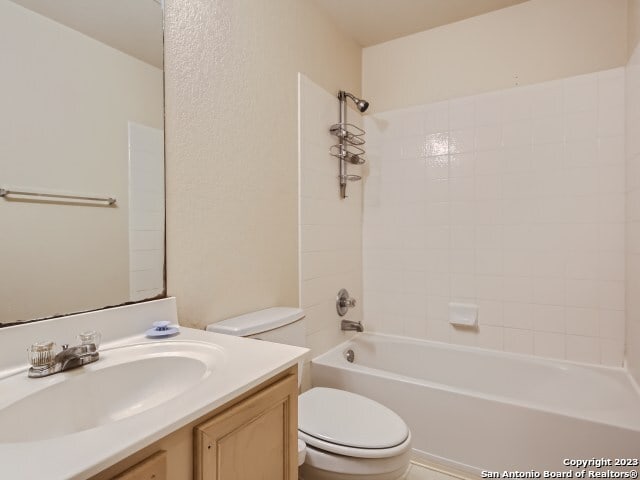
<point>161,329</point>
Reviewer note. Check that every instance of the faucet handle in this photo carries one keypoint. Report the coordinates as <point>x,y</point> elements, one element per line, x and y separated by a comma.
<point>90,337</point>
<point>41,354</point>
<point>348,302</point>
<point>344,302</point>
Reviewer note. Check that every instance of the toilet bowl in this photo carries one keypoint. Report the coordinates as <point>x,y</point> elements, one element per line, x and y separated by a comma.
<point>347,436</point>
<point>302,452</point>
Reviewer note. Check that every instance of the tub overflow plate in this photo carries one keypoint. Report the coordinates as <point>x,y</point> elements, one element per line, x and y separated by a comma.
<point>350,355</point>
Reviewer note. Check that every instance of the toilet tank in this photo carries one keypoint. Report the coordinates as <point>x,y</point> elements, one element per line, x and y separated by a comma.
<point>277,324</point>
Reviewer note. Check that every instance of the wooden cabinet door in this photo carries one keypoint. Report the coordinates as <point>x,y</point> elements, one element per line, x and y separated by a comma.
<point>152,468</point>
<point>255,439</point>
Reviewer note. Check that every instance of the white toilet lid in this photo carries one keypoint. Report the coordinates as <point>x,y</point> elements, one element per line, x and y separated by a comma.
<point>348,419</point>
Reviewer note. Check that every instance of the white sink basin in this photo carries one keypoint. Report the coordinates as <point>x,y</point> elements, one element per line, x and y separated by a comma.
<point>124,382</point>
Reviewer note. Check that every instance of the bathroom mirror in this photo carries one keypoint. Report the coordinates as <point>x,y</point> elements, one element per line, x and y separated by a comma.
<point>81,156</point>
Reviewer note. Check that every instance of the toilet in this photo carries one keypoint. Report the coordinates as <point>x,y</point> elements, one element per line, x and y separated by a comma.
<point>341,435</point>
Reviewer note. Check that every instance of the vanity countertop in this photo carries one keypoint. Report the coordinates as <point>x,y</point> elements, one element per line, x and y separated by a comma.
<point>245,364</point>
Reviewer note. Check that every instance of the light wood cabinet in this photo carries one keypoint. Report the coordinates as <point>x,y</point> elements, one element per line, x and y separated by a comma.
<point>255,439</point>
<point>152,468</point>
<point>254,436</point>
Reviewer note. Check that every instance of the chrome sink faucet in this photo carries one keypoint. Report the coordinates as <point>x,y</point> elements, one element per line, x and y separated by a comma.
<point>45,363</point>
<point>348,325</point>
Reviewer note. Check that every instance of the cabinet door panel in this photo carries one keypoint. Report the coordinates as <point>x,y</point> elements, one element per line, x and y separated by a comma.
<point>253,440</point>
<point>255,450</point>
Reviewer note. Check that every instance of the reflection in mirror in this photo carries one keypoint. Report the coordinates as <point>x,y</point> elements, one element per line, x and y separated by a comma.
<point>82,115</point>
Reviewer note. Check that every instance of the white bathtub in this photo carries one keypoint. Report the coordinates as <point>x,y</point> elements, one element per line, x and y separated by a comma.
<point>477,409</point>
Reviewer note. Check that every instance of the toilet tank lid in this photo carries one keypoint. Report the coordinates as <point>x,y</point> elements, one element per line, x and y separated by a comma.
<point>257,322</point>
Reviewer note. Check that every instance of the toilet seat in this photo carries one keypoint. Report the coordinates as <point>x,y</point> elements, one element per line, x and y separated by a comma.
<point>352,451</point>
<point>337,466</point>
<point>348,424</point>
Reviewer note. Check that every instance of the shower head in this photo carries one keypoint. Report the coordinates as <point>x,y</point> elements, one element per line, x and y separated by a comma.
<point>361,104</point>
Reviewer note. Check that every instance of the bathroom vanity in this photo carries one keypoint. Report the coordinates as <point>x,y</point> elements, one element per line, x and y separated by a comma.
<point>196,405</point>
<point>252,436</point>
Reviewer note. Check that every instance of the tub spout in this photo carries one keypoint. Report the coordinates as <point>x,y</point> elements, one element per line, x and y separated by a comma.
<point>348,325</point>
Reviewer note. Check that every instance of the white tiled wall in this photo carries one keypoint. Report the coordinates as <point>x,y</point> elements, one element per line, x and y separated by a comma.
<point>513,200</point>
<point>633,214</point>
<point>330,227</point>
<point>146,212</point>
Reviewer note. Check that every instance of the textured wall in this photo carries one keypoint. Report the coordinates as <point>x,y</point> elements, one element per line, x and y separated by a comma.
<point>231,144</point>
<point>633,198</point>
<point>511,200</point>
<point>633,26</point>
<point>531,42</point>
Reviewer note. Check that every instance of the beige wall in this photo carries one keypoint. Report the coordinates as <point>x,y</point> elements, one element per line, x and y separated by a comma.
<point>633,197</point>
<point>232,149</point>
<point>633,25</point>
<point>66,102</point>
<point>528,43</point>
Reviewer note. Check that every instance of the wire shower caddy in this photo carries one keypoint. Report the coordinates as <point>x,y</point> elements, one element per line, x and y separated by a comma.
<point>349,149</point>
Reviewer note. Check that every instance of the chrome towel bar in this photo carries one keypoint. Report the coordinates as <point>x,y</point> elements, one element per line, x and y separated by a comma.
<point>5,192</point>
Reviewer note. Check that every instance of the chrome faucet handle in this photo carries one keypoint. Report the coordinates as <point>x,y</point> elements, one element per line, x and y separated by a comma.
<point>348,302</point>
<point>344,302</point>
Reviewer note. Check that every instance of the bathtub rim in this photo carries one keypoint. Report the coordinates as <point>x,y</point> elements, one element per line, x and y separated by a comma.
<point>462,391</point>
